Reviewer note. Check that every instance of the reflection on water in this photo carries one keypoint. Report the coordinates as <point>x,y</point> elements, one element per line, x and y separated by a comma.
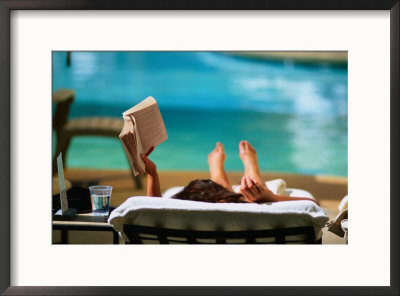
<point>295,116</point>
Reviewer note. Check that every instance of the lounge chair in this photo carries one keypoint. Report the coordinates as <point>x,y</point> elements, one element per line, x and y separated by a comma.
<point>81,126</point>
<point>339,224</point>
<point>147,220</point>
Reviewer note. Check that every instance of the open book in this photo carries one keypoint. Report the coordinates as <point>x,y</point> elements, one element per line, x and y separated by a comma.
<point>143,128</point>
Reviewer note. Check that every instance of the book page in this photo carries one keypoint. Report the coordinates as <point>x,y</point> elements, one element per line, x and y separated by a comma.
<point>132,146</point>
<point>139,146</point>
<point>150,127</point>
<point>143,104</point>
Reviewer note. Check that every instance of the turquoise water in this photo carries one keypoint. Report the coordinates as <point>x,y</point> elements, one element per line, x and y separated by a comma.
<point>295,115</point>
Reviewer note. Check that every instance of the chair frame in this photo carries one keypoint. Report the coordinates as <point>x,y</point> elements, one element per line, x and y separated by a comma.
<point>167,236</point>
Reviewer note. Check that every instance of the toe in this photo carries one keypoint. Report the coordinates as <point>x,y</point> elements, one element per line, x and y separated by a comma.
<point>241,145</point>
<point>250,146</point>
<point>220,148</point>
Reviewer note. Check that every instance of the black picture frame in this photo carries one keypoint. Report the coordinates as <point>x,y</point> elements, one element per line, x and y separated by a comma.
<point>6,171</point>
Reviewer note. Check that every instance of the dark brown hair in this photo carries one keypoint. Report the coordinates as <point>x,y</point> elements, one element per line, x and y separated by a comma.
<point>208,191</point>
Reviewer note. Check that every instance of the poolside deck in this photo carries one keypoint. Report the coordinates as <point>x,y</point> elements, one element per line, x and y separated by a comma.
<point>329,57</point>
<point>328,190</point>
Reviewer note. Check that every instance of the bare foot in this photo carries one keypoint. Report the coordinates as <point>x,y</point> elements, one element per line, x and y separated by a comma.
<point>248,155</point>
<point>216,159</point>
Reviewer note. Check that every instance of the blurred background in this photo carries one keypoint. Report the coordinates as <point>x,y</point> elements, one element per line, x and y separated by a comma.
<point>291,106</point>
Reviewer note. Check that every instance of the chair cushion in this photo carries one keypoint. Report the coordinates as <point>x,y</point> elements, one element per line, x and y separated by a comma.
<point>194,215</point>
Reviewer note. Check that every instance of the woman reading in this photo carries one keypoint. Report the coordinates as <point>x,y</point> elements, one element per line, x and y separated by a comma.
<point>218,188</point>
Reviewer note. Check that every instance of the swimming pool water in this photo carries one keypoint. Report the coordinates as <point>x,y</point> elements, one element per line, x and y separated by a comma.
<point>294,115</point>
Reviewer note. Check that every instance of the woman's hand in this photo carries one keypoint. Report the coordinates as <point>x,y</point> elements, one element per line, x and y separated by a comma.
<point>150,167</point>
<point>254,192</point>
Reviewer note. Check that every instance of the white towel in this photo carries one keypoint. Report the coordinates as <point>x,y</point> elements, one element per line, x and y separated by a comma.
<point>185,214</point>
<point>277,186</point>
<point>345,227</point>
